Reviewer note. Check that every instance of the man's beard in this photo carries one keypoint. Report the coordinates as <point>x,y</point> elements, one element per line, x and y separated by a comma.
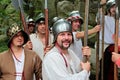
<point>64,48</point>
<point>19,45</point>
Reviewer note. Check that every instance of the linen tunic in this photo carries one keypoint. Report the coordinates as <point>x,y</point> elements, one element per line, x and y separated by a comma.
<point>54,67</point>
<point>76,46</point>
<point>38,46</point>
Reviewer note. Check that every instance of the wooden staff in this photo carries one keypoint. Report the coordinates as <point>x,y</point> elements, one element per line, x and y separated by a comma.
<point>102,64</point>
<point>46,24</point>
<point>85,58</point>
<point>97,45</point>
<point>23,21</point>
<point>116,38</point>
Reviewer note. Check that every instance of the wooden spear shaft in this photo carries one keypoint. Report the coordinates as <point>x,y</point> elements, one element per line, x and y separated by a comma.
<point>116,37</point>
<point>102,64</point>
<point>85,58</point>
<point>46,24</point>
<point>97,45</point>
<point>116,49</point>
<point>23,22</point>
<point>116,40</point>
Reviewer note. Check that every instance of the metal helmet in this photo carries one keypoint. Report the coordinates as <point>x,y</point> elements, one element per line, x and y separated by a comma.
<point>61,26</point>
<point>54,20</point>
<point>13,30</point>
<point>30,22</point>
<point>109,4</point>
<point>40,18</point>
<point>74,15</point>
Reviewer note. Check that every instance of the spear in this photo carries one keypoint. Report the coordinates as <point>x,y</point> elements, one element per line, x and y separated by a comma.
<point>102,64</point>
<point>46,24</point>
<point>85,58</point>
<point>116,37</point>
<point>97,45</point>
<point>18,4</point>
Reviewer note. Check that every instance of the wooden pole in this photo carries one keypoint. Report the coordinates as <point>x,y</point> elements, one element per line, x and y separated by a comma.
<point>46,24</point>
<point>116,39</point>
<point>102,64</point>
<point>85,58</point>
<point>97,45</point>
<point>24,22</point>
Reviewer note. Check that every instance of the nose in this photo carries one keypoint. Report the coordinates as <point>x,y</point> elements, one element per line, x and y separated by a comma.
<point>67,36</point>
<point>43,25</point>
<point>78,23</point>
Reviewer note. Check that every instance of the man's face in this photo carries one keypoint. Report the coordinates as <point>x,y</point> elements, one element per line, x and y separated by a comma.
<point>41,28</point>
<point>64,40</point>
<point>18,40</point>
<point>31,28</point>
<point>76,25</point>
<point>112,10</point>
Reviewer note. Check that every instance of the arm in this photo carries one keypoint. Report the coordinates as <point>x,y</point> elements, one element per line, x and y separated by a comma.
<point>91,31</point>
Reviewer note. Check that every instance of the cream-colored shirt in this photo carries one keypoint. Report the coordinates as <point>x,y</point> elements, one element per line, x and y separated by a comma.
<point>19,65</point>
<point>38,46</point>
<point>54,67</point>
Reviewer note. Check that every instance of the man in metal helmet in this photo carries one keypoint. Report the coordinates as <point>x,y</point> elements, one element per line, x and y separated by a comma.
<point>17,62</point>
<point>75,15</point>
<point>40,18</point>
<point>31,26</point>
<point>40,36</point>
<point>61,63</point>
<point>60,28</point>
<point>109,30</point>
<point>110,7</point>
<point>109,24</point>
<point>76,21</point>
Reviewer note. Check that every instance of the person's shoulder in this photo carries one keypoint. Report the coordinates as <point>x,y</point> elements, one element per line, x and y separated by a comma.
<point>32,55</point>
<point>30,52</point>
<point>108,17</point>
<point>53,53</point>
<point>4,52</point>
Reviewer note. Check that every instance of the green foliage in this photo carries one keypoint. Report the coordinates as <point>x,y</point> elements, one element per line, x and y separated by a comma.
<point>3,43</point>
<point>3,46</point>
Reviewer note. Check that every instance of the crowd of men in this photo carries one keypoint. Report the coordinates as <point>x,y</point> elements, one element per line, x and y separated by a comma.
<point>28,58</point>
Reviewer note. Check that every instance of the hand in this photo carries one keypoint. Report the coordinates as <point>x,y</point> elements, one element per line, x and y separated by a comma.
<point>115,56</point>
<point>85,66</point>
<point>86,51</point>
<point>48,48</point>
<point>29,45</point>
<point>97,28</point>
